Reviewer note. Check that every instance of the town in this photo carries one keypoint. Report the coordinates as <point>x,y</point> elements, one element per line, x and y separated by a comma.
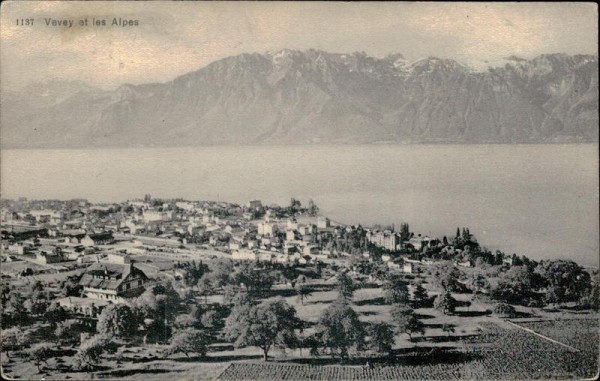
<point>218,290</point>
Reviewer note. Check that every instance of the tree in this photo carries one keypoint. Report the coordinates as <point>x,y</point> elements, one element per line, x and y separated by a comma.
<point>117,320</point>
<point>161,304</point>
<point>593,297</point>
<point>205,287</point>
<point>60,333</point>
<point>420,296</point>
<point>498,258</point>
<point>16,306</point>
<point>445,303</point>
<point>303,291</point>
<point>256,281</point>
<point>339,330</point>
<point>188,341</point>
<point>184,321</point>
<point>158,303</point>
<point>344,286</point>
<point>68,331</point>
<point>14,339</point>
<point>221,272</point>
<point>211,319</point>
<point>404,231</point>
<point>37,304</point>
<point>514,285</point>
<point>446,278</point>
<point>395,290</point>
<point>504,310</point>
<point>382,337</point>
<point>55,314</point>
<point>269,324</point>
<point>194,273</point>
<point>70,288</point>
<point>40,353</point>
<point>234,295</point>
<point>90,351</point>
<point>405,320</point>
<point>568,281</point>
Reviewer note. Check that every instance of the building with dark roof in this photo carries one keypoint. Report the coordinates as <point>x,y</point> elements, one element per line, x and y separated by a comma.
<point>113,281</point>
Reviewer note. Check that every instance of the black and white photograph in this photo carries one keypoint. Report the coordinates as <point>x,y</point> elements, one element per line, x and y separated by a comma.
<point>291,191</point>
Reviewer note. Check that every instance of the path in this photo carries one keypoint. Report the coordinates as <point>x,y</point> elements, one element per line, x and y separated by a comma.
<point>543,337</point>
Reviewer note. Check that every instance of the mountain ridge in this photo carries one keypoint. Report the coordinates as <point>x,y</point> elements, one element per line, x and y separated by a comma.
<point>312,97</point>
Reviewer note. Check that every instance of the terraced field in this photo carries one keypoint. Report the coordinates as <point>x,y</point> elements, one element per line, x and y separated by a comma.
<point>273,372</point>
<point>498,353</point>
<point>582,334</point>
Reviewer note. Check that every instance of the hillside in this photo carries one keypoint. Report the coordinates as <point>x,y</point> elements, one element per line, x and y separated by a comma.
<point>294,97</point>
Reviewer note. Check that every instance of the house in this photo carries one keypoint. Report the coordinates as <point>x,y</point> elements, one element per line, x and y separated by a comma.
<point>47,215</point>
<point>243,255</point>
<point>113,281</point>
<point>290,235</point>
<point>97,239</point>
<point>310,250</point>
<point>409,268</point>
<point>85,306</point>
<point>386,239</point>
<point>323,222</point>
<point>308,238</point>
<point>185,205</point>
<point>47,254</point>
<point>23,232</point>
<point>235,229</point>
<point>265,228</point>
<point>255,206</point>
<point>419,242</point>
<point>17,248</point>
<point>265,256</point>
<point>507,261</point>
<point>155,215</point>
<point>463,263</point>
<point>306,229</point>
<point>208,218</point>
<point>292,224</point>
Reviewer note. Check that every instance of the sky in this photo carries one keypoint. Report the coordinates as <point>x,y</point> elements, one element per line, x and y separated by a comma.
<point>173,38</point>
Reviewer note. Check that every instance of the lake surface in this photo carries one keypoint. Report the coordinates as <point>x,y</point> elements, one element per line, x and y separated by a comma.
<point>537,200</point>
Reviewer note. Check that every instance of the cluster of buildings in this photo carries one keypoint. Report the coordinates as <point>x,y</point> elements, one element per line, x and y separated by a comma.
<point>55,232</point>
<point>105,239</point>
<point>393,241</point>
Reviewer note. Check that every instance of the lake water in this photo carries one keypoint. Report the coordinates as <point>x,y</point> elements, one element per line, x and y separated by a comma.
<point>537,200</point>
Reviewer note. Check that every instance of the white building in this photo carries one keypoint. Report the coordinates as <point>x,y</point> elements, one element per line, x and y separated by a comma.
<point>386,239</point>
<point>265,228</point>
<point>185,205</point>
<point>323,222</point>
<point>243,255</point>
<point>155,215</point>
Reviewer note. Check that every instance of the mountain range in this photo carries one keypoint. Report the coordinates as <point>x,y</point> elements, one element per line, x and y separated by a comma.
<point>310,97</point>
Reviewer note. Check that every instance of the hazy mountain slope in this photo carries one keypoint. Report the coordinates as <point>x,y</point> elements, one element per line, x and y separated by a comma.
<point>294,97</point>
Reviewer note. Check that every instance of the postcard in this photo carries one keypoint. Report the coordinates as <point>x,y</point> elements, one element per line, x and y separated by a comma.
<point>299,190</point>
